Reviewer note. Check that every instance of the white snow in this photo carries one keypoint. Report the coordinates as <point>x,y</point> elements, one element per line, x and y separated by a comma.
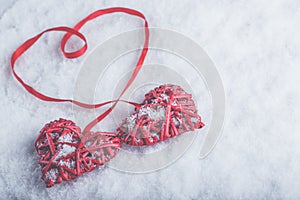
<point>255,46</point>
<point>176,121</point>
<point>66,138</point>
<point>51,174</point>
<point>64,150</point>
<point>131,121</point>
<point>69,164</point>
<point>156,113</point>
<point>164,96</point>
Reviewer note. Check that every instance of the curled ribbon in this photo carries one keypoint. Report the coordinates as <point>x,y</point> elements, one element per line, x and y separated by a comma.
<point>66,152</point>
<point>75,31</point>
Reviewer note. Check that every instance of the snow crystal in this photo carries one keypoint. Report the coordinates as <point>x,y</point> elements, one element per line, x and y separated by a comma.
<point>54,135</point>
<point>165,96</point>
<point>176,121</point>
<point>66,138</point>
<point>131,121</point>
<point>51,175</point>
<point>152,113</point>
<point>70,164</point>
<point>64,150</point>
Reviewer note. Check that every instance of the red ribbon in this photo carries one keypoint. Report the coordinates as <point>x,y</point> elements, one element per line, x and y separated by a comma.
<point>75,54</point>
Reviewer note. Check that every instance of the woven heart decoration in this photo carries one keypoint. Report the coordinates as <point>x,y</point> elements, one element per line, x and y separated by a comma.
<point>167,111</point>
<point>65,154</point>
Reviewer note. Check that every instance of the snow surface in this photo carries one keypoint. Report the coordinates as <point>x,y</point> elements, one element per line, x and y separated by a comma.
<point>255,45</point>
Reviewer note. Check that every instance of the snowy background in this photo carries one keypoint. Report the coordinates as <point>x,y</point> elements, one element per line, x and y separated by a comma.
<point>255,45</point>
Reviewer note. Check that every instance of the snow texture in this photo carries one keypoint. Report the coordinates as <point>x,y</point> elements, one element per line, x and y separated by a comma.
<point>52,174</point>
<point>255,45</point>
<point>153,113</point>
<point>65,150</point>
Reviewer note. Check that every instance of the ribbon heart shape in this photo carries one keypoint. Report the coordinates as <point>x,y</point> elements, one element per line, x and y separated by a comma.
<point>66,152</point>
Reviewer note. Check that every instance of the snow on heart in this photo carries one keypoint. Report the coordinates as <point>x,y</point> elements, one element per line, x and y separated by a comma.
<point>66,154</point>
<point>167,111</point>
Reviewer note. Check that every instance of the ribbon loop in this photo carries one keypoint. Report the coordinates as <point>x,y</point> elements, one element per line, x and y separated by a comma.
<point>75,54</point>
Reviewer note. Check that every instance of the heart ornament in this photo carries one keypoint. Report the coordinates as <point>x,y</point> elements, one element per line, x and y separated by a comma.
<point>66,154</point>
<point>167,111</point>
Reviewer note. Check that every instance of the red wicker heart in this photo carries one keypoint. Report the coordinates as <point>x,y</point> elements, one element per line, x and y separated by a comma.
<point>167,111</point>
<point>65,154</point>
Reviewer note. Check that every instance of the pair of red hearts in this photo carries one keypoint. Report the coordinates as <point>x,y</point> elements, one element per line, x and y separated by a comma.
<point>66,153</point>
